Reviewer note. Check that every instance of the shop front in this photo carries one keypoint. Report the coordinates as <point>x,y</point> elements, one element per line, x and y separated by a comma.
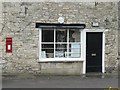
<point>72,43</point>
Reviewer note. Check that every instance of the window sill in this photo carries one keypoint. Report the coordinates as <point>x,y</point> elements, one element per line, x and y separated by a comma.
<point>61,60</point>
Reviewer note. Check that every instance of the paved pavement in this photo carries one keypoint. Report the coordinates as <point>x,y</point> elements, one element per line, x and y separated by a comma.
<point>62,82</point>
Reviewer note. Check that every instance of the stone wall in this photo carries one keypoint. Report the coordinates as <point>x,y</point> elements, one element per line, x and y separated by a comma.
<point>119,34</point>
<point>69,68</point>
<point>0,39</point>
<point>19,23</point>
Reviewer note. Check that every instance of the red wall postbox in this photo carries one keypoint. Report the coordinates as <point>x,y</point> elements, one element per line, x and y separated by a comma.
<point>8,45</point>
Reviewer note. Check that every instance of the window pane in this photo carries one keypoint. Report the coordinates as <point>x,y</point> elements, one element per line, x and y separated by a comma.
<point>47,51</point>
<point>74,50</point>
<point>61,35</point>
<point>74,43</point>
<point>74,35</point>
<point>47,35</point>
<point>60,50</point>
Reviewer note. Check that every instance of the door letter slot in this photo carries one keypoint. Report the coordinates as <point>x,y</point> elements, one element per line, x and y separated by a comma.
<point>93,54</point>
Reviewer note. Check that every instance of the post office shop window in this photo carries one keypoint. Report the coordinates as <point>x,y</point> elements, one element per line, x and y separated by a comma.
<point>60,43</point>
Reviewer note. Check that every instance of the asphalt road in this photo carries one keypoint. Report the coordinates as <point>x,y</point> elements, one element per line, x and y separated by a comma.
<point>61,82</point>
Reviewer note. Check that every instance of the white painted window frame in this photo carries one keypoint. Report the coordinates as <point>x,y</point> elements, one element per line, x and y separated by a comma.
<point>61,59</point>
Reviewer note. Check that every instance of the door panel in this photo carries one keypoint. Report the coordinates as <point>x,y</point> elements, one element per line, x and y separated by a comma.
<point>94,52</point>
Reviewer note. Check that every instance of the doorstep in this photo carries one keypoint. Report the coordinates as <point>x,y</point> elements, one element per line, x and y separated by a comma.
<point>102,75</point>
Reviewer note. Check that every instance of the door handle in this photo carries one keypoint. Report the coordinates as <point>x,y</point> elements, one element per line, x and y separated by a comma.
<point>93,54</point>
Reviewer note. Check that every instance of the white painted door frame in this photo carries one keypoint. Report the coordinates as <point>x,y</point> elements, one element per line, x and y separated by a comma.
<point>103,47</point>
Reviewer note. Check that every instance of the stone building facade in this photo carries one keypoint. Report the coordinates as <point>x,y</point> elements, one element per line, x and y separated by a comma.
<point>119,28</point>
<point>19,22</point>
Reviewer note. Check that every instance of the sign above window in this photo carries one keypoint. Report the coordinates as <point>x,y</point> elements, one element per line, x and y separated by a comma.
<point>60,25</point>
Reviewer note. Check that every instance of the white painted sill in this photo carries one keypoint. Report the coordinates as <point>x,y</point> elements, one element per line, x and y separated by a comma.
<point>61,60</point>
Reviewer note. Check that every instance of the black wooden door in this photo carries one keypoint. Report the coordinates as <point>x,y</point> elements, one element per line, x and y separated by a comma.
<point>94,52</point>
